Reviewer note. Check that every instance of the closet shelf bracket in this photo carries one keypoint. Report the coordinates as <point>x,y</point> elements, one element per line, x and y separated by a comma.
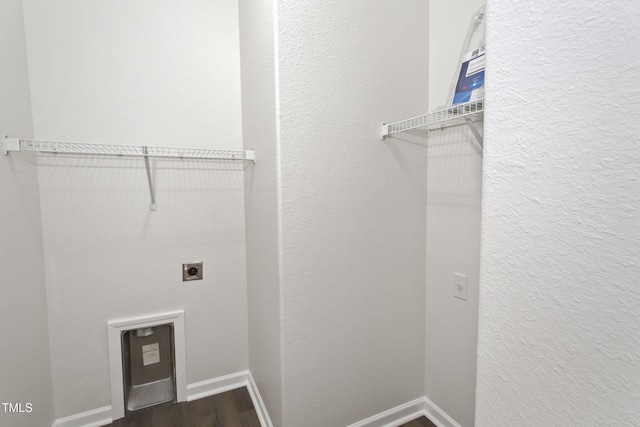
<point>474,131</point>
<point>16,145</point>
<point>152,189</point>
<point>10,144</point>
<point>466,113</point>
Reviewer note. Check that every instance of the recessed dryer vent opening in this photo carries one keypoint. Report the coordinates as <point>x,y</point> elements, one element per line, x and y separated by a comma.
<point>148,367</point>
<point>147,362</point>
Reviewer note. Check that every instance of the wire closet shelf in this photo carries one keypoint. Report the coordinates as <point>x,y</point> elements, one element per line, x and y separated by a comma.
<point>53,147</point>
<point>145,152</point>
<point>465,113</point>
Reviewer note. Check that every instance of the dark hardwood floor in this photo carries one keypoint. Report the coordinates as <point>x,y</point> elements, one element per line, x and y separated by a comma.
<point>419,422</point>
<point>230,409</point>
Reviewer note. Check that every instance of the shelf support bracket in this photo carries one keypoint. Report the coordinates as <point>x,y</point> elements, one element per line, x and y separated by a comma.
<point>9,144</point>
<point>152,189</point>
<point>474,131</point>
<point>250,155</point>
<point>384,132</point>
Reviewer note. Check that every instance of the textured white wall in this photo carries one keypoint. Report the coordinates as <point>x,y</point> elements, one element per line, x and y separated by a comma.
<point>454,192</point>
<point>25,376</point>
<point>559,299</point>
<point>257,48</point>
<point>148,72</point>
<point>353,208</point>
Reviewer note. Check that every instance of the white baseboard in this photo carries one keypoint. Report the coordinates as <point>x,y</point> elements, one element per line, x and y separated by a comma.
<point>437,416</point>
<point>406,412</point>
<point>395,416</point>
<point>231,382</point>
<point>96,418</point>
<point>258,403</point>
<point>102,416</point>
<point>217,385</point>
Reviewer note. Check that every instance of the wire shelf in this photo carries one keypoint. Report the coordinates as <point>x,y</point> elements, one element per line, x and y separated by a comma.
<point>450,116</point>
<point>130,150</point>
<point>146,152</point>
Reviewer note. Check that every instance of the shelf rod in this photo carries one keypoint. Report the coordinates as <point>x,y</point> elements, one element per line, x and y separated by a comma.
<point>152,189</point>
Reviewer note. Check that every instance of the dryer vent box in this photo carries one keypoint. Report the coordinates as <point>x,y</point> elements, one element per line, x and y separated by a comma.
<point>148,363</point>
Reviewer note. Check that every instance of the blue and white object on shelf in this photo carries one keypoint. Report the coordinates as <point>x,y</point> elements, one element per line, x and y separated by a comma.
<point>468,84</point>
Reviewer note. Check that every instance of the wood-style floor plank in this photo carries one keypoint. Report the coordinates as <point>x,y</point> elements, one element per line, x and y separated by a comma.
<point>230,409</point>
<point>419,422</point>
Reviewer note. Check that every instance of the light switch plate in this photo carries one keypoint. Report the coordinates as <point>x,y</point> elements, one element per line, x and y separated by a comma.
<point>460,286</point>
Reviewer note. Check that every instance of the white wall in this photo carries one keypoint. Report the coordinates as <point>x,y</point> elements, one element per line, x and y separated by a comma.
<point>559,303</point>
<point>335,217</point>
<point>453,245</point>
<point>149,72</point>
<point>353,208</point>
<point>454,190</point>
<point>262,209</point>
<point>24,356</point>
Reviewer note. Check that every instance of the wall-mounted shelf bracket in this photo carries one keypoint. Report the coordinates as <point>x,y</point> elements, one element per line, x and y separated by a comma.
<point>10,144</point>
<point>385,131</point>
<point>147,152</point>
<point>474,131</point>
<point>152,189</point>
<point>466,113</point>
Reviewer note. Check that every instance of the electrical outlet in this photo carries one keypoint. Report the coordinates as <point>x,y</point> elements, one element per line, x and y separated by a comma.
<point>192,271</point>
<point>460,286</point>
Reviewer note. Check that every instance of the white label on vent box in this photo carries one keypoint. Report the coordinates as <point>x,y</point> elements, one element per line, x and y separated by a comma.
<point>150,354</point>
